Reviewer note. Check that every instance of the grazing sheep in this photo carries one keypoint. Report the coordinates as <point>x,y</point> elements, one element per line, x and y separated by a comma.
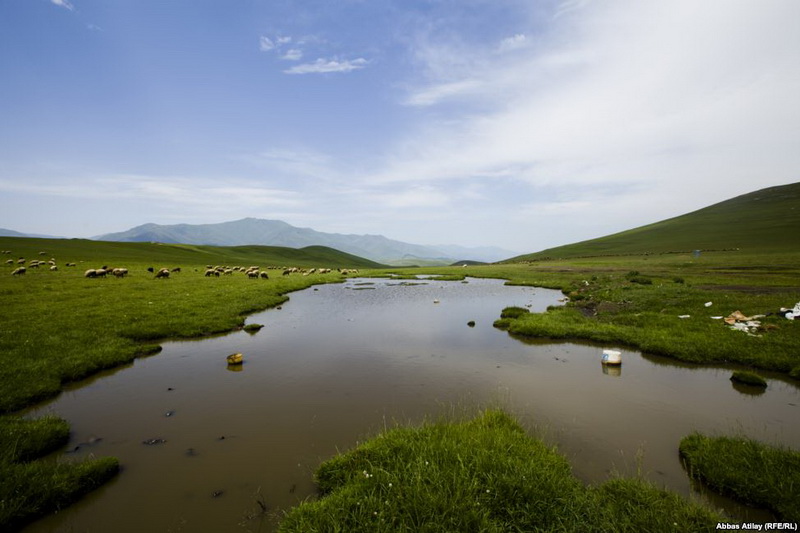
<point>176,269</point>
<point>163,273</point>
<point>53,268</point>
<point>120,272</point>
<point>252,274</point>
<point>20,261</point>
<point>101,272</point>
<point>10,262</point>
<point>91,273</point>
<point>18,272</point>
<point>211,272</point>
<point>264,275</point>
<point>71,264</point>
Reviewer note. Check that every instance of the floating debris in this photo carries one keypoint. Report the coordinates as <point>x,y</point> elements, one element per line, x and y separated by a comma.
<point>612,357</point>
<point>153,442</point>
<point>169,413</point>
<point>235,358</point>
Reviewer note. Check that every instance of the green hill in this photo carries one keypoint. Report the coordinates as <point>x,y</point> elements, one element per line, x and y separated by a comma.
<point>767,220</point>
<point>157,254</point>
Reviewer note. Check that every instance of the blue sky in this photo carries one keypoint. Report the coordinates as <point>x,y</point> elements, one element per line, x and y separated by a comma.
<point>512,123</point>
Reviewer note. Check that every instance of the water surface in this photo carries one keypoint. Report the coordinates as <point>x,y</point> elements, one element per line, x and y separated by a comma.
<point>340,362</point>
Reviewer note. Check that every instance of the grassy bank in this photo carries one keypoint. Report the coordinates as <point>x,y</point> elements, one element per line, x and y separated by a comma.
<point>30,486</point>
<point>59,326</point>
<point>658,304</point>
<point>485,474</point>
<point>752,472</point>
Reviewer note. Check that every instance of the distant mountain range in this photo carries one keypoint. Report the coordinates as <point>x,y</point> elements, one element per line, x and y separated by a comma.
<point>278,233</point>
<point>11,233</point>
<point>765,220</point>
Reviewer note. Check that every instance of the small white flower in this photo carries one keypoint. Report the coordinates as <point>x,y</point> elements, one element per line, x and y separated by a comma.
<point>487,491</point>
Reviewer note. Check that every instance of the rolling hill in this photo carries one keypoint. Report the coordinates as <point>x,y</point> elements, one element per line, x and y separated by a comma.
<point>765,220</point>
<point>97,253</point>
<point>278,233</point>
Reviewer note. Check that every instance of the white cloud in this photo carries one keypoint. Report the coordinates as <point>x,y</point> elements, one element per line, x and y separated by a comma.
<point>514,42</point>
<point>437,93</point>
<point>680,91</point>
<point>181,192</point>
<point>293,54</point>
<point>265,44</point>
<point>322,66</point>
<point>63,3</point>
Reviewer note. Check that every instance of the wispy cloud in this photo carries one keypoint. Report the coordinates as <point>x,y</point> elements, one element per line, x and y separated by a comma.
<point>514,42</point>
<point>292,163</point>
<point>63,3</point>
<point>265,44</point>
<point>434,94</point>
<point>615,96</point>
<point>293,54</point>
<point>191,192</point>
<point>324,66</point>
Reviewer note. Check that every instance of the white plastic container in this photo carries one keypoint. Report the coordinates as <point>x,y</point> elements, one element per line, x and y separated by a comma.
<point>612,357</point>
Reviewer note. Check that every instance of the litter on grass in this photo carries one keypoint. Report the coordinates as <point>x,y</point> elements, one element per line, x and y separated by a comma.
<point>791,314</point>
<point>740,322</point>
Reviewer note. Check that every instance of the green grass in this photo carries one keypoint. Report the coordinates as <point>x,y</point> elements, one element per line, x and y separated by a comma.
<point>748,378</point>
<point>57,327</point>
<point>30,486</point>
<point>764,220</point>
<point>609,304</point>
<point>750,471</point>
<point>484,474</point>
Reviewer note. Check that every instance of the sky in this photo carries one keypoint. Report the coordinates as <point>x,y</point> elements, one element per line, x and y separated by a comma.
<point>513,123</point>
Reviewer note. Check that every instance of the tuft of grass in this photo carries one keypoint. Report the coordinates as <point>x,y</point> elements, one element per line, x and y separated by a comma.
<point>747,470</point>
<point>513,312</point>
<point>748,378</point>
<point>30,486</point>
<point>253,328</point>
<point>485,474</point>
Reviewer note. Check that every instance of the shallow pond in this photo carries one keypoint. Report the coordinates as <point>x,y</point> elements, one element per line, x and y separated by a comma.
<point>340,362</point>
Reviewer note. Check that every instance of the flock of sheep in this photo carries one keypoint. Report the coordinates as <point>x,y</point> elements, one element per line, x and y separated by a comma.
<point>256,272</point>
<point>211,270</point>
<point>34,263</point>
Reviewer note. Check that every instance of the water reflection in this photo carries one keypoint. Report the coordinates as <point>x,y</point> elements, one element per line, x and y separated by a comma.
<point>612,370</point>
<point>339,364</point>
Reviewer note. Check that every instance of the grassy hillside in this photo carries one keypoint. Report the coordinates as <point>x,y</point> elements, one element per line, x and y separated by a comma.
<point>765,220</point>
<point>158,255</point>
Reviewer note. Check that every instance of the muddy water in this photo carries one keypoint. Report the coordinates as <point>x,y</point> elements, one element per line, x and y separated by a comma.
<point>340,362</point>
